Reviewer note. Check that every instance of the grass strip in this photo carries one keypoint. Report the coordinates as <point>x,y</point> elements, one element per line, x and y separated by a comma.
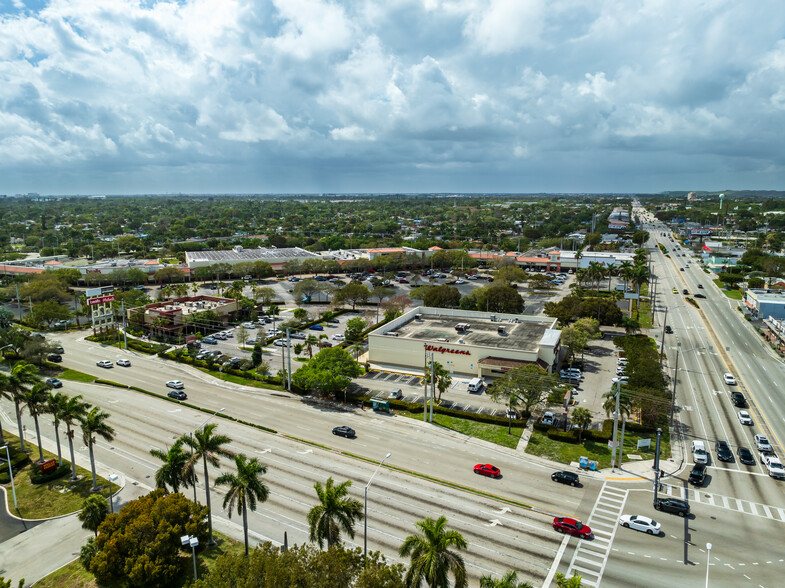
<point>76,376</point>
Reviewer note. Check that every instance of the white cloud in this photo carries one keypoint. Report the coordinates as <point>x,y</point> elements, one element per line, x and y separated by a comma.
<point>506,25</point>
<point>351,133</point>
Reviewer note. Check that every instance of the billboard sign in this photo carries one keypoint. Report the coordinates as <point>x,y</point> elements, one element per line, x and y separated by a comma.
<point>99,300</point>
<point>701,232</point>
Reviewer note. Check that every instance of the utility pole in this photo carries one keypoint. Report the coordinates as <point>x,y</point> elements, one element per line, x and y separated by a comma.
<point>675,380</point>
<point>664,324</point>
<point>125,334</point>
<point>621,444</point>
<point>657,465</point>
<point>615,427</point>
<point>433,388</point>
<point>425,394</point>
<point>289,353</point>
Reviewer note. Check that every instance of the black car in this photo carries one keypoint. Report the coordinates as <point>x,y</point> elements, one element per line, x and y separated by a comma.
<point>672,505</point>
<point>698,474</point>
<point>177,395</point>
<point>745,456</point>
<point>54,382</point>
<point>344,431</point>
<point>563,477</point>
<point>699,295</point>
<point>724,452</point>
<point>685,291</point>
<point>700,286</point>
<point>668,329</point>
<point>738,399</point>
<point>54,357</point>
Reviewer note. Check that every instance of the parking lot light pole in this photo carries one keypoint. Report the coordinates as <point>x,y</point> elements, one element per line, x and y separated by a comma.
<point>191,434</point>
<point>10,474</point>
<point>708,561</point>
<point>193,542</point>
<point>365,513</point>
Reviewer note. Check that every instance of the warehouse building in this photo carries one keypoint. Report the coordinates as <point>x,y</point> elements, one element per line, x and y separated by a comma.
<point>471,343</point>
<point>276,257</point>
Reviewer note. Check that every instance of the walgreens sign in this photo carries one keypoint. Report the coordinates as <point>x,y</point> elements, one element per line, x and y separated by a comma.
<point>436,349</point>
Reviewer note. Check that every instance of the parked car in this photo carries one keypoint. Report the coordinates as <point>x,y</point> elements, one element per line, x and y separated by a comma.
<point>571,527</point>
<point>744,417</point>
<point>698,474</point>
<point>54,383</point>
<point>339,337</point>
<point>177,395</point>
<point>316,328</point>
<point>762,442</point>
<point>724,452</point>
<point>672,505</point>
<point>745,456</point>
<point>640,523</point>
<point>565,477</point>
<point>344,431</point>
<point>486,469</point>
<point>333,321</point>
<point>738,399</point>
<point>124,362</point>
<point>729,379</point>
<point>622,379</point>
<point>104,363</point>
<point>280,343</point>
<point>210,340</point>
<point>396,394</point>
<point>176,384</point>
<point>548,418</point>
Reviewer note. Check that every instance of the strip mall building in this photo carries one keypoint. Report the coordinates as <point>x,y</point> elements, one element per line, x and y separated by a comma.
<point>471,343</point>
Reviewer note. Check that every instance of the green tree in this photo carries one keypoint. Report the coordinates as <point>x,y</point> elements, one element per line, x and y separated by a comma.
<point>74,411</point>
<point>140,545</point>
<point>581,417</point>
<point>48,311</point>
<point>563,581</point>
<point>311,341</point>
<point>245,489</point>
<point>328,372</point>
<point>36,399</point>
<point>300,314</point>
<point>17,383</point>
<point>574,340</point>
<point>335,512</point>
<point>443,378</point>
<point>509,580</point>
<point>435,555</point>
<point>95,423</point>
<point>509,274</point>
<point>55,405</point>
<point>263,294</point>
<point>176,469</point>
<point>208,447</point>
<point>353,292</point>
<point>442,297</point>
<point>256,354</point>
<point>94,510</point>
<point>527,385</point>
<point>354,329</point>
<point>241,335</point>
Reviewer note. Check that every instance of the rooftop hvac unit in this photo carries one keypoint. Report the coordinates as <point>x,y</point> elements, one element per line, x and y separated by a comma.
<point>419,316</point>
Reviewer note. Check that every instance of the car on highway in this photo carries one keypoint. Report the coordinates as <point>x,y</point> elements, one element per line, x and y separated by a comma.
<point>745,456</point>
<point>698,474</point>
<point>54,383</point>
<point>176,384</point>
<point>572,527</point>
<point>104,363</point>
<point>738,399</point>
<point>766,454</point>
<point>724,452</point>
<point>744,417</point>
<point>54,357</point>
<point>344,431</point>
<point>640,523</point>
<point>681,269</point>
<point>675,291</point>
<point>685,292</point>
<point>564,477</point>
<point>672,505</point>
<point>762,442</point>
<point>668,329</point>
<point>124,362</point>
<point>774,467</point>
<point>486,469</point>
<point>177,395</point>
<point>699,295</point>
<point>700,286</point>
<point>729,379</point>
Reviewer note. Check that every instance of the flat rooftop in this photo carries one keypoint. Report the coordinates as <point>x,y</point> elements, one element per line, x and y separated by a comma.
<point>768,295</point>
<point>480,332</point>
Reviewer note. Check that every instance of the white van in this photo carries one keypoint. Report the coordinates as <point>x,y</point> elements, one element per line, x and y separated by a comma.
<point>699,454</point>
<point>476,385</point>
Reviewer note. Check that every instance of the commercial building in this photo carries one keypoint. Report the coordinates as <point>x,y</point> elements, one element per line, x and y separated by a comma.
<point>170,318</point>
<point>765,303</point>
<point>276,257</point>
<point>471,343</point>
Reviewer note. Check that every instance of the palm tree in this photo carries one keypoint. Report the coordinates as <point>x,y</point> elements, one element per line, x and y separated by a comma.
<point>509,580</point>
<point>73,411</point>
<point>175,471</point>
<point>610,271</point>
<point>310,342</point>
<point>4,395</point>
<point>94,423</point>
<point>36,399</point>
<point>93,513</point>
<point>563,581</point>
<point>625,271</point>
<point>582,417</point>
<point>245,488</point>
<point>22,376</point>
<point>432,557</point>
<point>626,404</point>
<point>335,512</point>
<point>55,404</point>
<point>208,447</point>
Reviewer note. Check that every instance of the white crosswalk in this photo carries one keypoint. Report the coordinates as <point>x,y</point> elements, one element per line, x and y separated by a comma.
<point>728,502</point>
<point>591,555</point>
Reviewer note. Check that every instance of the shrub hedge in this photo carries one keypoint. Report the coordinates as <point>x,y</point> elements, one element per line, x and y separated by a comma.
<point>59,472</point>
<point>18,460</point>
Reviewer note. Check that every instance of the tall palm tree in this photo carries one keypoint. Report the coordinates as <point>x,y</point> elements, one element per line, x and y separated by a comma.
<point>610,271</point>
<point>509,580</point>
<point>434,555</point>
<point>94,511</point>
<point>36,399</point>
<point>563,581</point>
<point>625,271</point>
<point>310,342</point>
<point>55,405</point>
<point>245,488</point>
<point>94,424</point>
<point>73,412</point>
<point>4,395</point>
<point>208,447</point>
<point>626,404</point>
<point>335,512</point>
<point>21,378</point>
<point>175,471</point>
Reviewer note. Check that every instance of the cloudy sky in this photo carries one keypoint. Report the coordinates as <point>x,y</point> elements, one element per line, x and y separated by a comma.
<point>135,96</point>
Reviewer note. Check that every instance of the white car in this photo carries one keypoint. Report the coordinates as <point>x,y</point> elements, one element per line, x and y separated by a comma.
<point>248,326</point>
<point>774,466</point>
<point>124,362</point>
<point>176,384</point>
<point>622,379</point>
<point>729,379</point>
<point>280,343</point>
<point>547,418</point>
<point>640,523</point>
<point>104,363</point>
<point>762,443</point>
<point>338,337</point>
<point>460,281</point>
<point>744,417</point>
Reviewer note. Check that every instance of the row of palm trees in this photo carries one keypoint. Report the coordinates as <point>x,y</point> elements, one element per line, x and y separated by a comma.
<point>23,385</point>
<point>635,273</point>
<point>434,550</point>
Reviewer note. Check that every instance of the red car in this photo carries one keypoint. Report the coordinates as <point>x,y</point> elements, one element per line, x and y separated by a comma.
<point>571,526</point>
<point>487,470</point>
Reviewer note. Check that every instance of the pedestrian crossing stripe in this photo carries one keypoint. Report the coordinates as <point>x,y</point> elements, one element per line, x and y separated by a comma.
<point>727,502</point>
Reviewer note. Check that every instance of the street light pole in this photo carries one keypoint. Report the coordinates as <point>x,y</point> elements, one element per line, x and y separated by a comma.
<point>708,561</point>
<point>365,514</point>
<point>675,379</point>
<point>664,324</point>
<point>10,474</point>
<point>112,478</point>
<point>193,542</point>
<point>191,434</point>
